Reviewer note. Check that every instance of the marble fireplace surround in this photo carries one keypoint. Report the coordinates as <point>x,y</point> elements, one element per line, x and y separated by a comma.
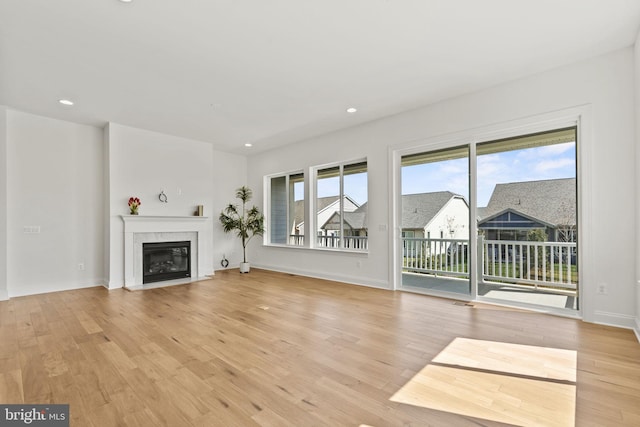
<point>139,229</point>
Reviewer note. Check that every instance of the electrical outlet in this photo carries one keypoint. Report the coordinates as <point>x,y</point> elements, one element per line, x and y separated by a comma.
<point>603,289</point>
<point>81,266</point>
<point>31,229</point>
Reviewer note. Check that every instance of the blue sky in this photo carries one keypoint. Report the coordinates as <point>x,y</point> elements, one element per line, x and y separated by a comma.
<point>548,162</point>
<point>355,186</point>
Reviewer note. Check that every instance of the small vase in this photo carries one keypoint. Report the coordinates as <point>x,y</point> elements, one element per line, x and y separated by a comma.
<point>134,212</point>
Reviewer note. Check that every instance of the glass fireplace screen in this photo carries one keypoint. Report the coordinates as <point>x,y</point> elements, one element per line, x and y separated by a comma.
<point>165,261</point>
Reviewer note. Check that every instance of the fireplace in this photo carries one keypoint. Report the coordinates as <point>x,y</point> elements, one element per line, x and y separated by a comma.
<point>166,261</point>
<point>141,229</point>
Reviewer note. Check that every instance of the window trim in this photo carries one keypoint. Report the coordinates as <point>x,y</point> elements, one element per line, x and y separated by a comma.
<point>313,203</point>
<point>268,205</point>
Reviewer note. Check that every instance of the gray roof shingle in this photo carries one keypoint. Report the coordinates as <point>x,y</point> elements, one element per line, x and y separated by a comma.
<point>357,219</point>
<point>322,203</point>
<point>419,209</point>
<point>552,201</point>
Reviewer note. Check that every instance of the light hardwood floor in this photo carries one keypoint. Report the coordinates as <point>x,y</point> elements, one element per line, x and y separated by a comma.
<point>274,349</point>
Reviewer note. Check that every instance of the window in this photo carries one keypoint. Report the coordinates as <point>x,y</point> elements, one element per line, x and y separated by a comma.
<point>341,206</point>
<point>286,210</point>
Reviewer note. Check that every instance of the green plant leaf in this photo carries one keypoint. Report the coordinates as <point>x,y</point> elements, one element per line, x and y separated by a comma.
<point>246,223</point>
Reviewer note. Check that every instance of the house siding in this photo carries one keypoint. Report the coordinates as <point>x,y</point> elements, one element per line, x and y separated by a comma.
<point>278,214</point>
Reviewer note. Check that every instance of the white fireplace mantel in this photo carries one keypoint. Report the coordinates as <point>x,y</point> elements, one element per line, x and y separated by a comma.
<point>139,229</point>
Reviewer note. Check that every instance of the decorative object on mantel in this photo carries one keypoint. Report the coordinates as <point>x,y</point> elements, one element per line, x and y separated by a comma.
<point>162,197</point>
<point>199,211</point>
<point>246,224</point>
<point>134,203</point>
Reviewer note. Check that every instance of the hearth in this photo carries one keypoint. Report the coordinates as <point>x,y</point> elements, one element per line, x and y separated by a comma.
<point>165,261</point>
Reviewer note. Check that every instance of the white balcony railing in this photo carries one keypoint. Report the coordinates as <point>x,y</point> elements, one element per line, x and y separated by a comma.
<point>350,242</point>
<point>296,239</point>
<point>548,264</point>
<point>551,265</point>
<point>446,257</point>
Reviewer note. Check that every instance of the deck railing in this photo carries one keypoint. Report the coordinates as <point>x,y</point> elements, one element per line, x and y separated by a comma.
<point>443,257</point>
<point>296,239</point>
<point>552,265</point>
<point>548,264</point>
<point>350,242</point>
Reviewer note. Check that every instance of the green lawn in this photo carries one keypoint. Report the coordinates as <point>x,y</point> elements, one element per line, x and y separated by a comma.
<point>497,269</point>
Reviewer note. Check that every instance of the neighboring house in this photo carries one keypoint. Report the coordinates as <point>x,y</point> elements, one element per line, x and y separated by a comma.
<point>441,214</point>
<point>326,206</point>
<point>354,228</point>
<point>355,223</point>
<point>516,209</point>
<point>437,215</point>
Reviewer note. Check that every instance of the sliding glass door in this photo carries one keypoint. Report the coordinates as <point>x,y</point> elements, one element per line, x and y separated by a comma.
<point>435,221</point>
<point>527,219</point>
<point>512,239</point>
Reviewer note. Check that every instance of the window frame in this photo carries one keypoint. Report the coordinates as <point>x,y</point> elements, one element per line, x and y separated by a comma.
<point>268,184</point>
<point>341,197</point>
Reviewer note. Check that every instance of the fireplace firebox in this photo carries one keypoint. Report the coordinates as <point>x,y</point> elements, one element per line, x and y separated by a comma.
<point>165,261</point>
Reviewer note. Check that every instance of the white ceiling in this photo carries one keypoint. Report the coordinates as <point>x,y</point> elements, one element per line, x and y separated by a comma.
<point>275,72</point>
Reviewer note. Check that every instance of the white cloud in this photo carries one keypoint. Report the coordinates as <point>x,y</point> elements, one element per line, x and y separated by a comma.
<point>546,166</point>
<point>549,162</point>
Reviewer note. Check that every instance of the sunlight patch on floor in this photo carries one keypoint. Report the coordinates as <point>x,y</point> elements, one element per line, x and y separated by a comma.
<point>538,298</point>
<point>509,383</point>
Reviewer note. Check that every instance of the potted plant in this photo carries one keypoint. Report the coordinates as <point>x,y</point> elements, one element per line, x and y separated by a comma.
<point>246,222</point>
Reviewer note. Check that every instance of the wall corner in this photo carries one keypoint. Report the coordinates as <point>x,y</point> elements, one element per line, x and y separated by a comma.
<point>4,276</point>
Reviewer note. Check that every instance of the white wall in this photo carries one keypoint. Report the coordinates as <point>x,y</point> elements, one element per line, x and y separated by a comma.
<point>4,294</point>
<point>142,164</point>
<point>605,83</point>
<point>637,191</point>
<point>54,178</point>
<point>73,181</point>
<point>229,173</point>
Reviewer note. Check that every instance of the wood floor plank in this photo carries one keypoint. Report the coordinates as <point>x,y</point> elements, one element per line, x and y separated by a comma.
<point>274,349</point>
<point>87,322</point>
<point>11,387</point>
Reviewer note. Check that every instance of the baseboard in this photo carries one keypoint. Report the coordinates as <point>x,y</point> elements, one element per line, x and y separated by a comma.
<point>352,280</point>
<point>4,295</point>
<point>30,290</point>
<point>615,319</point>
<point>110,285</point>
<point>637,328</point>
<point>166,283</point>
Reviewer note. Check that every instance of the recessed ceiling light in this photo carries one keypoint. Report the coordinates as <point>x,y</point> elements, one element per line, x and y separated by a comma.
<point>126,1</point>
<point>65,102</point>
<point>248,145</point>
<point>351,110</point>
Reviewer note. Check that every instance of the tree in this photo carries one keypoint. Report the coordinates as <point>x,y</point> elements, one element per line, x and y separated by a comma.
<point>566,228</point>
<point>535,256</point>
